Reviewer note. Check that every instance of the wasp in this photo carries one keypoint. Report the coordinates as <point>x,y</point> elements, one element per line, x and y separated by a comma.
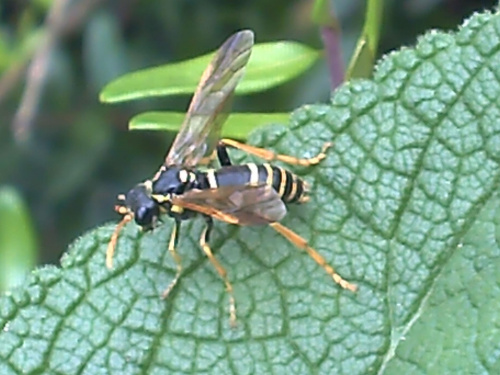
<point>249,194</point>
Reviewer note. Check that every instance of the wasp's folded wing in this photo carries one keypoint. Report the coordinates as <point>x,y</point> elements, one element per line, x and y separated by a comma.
<point>208,110</point>
<point>241,204</point>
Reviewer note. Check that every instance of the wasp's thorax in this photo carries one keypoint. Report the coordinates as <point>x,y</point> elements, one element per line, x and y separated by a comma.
<point>149,198</point>
<point>173,180</point>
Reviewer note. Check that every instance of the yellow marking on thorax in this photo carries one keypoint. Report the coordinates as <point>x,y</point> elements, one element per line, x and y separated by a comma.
<point>183,175</point>
<point>160,198</point>
<point>212,181</point>
<point>254,174</point>
<point>270,174</point>
<point>177,209</point>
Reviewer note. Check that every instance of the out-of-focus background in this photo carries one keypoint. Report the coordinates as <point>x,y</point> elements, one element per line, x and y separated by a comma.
<point>63,161</point>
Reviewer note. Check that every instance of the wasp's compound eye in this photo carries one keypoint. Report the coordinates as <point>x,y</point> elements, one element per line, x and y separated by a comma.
<point>145,215</point>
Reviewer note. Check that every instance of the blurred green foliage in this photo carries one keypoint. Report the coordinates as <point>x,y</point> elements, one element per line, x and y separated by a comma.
<point>18,246</point>
<point>79,155</point>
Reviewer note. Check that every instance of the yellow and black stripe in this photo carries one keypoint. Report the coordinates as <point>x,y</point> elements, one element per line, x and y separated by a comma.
<point>290,188</point>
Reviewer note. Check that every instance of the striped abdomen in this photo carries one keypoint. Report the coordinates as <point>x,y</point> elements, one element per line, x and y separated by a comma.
<point>289,187</point>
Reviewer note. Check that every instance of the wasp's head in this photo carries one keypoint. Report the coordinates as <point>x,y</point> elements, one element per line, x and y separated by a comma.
<point>137,204</point>
<point>140,204</point>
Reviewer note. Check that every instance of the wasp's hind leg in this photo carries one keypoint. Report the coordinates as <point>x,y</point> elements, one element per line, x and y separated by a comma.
<point>172,245</point>
<point>302,244</point>
<point>271,156</point>
<point>222,155</point>
<point>205,236</point>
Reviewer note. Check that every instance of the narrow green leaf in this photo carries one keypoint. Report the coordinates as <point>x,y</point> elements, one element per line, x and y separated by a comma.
<point>17,239</point>
<point>406,205</point>
<point>237,126</point>
<point>270,65</point>
<point>362,60</point>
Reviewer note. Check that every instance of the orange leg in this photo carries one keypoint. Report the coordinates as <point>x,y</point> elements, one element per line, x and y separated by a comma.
<point>114,238</point>
<point>220,270</point>
<point>172,244</point>
<point>302,244</point>
<point>270,155</point>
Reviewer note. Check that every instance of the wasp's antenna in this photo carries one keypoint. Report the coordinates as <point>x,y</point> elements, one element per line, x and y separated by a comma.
<point>128,216</point>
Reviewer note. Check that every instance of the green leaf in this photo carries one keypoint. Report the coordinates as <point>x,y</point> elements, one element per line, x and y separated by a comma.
<point>270,65</point>
<point>457,331</point>
<point>18,249</point>
<point>361,64</point>
<point>406,205</point>
<point>237,126</point>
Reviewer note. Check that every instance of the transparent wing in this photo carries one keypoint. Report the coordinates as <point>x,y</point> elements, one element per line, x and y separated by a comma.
<point>240,204</point>
<point>208,110</point>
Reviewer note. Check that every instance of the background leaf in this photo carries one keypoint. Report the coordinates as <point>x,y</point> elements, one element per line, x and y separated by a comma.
<point>18,245</point>
<point>237,126</point>
<point>406,206</point>
<point>270,65</point>
<point>361,64</point>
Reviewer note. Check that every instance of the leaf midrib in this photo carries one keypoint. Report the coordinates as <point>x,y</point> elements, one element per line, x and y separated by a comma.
<point>474,212</point>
